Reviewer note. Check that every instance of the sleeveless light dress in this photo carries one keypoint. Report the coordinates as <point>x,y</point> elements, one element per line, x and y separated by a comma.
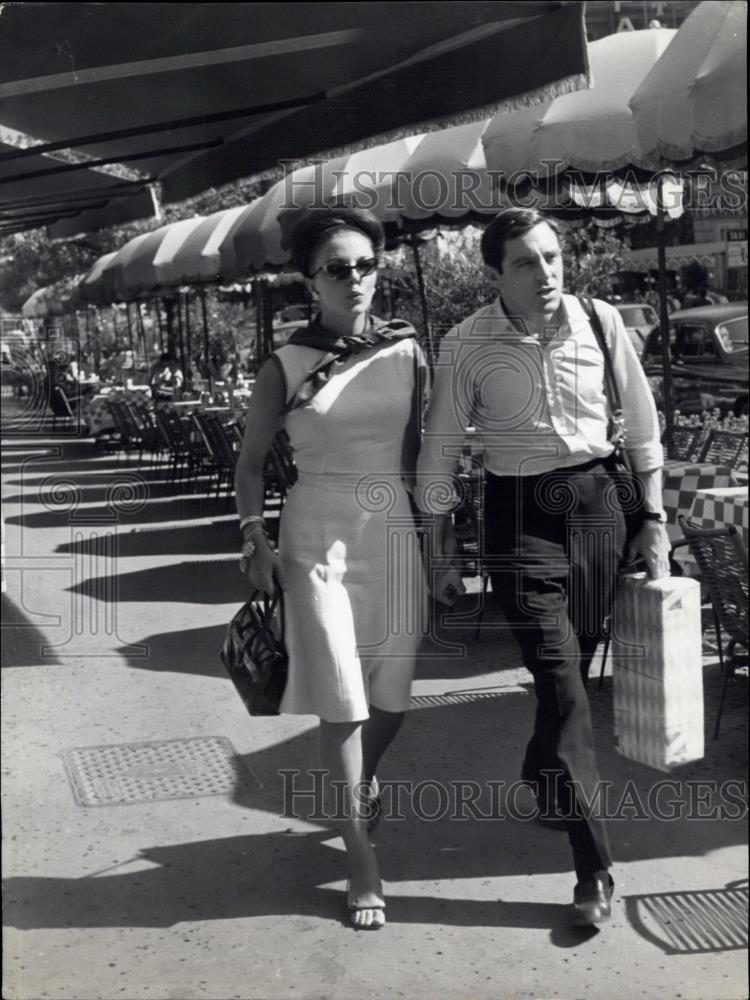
<point>355,594</point>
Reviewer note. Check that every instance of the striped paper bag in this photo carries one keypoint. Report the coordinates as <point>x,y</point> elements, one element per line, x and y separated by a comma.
<point>657,670</point>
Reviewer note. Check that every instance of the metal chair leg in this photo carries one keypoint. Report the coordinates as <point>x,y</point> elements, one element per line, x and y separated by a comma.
<point>485,583</point>
<point>722,667</point>
<point>727,670</point>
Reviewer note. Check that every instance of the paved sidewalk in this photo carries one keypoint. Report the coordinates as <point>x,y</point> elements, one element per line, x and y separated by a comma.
<point>118,591</point>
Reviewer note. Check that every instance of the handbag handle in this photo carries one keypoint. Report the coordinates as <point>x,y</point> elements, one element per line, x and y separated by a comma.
<point>269,603</point>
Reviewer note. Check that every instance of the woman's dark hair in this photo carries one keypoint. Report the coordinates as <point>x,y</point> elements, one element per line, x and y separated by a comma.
<point>303,229</point>
<point>508,225</point>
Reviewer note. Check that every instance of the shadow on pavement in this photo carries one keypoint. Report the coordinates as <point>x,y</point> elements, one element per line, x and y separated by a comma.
<point>190,651</point>
<point>200,539</point>
<point>282,872</point>
<point>482,742</point>
<point>22,641</point>
<point>215,581</point>
<point>190,884</point>
<point>95,474</point>
<point>177,508</point>
<point>94,493</point>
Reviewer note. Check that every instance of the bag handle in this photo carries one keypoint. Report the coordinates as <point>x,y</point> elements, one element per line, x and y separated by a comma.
<point>310,384</point>
<point>611,389</point>
<point>269,603</point>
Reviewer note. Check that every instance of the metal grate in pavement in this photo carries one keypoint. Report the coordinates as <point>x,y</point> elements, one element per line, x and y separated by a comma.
<point>456,697</point>
<point>125,773</point>
<point>704,921</point>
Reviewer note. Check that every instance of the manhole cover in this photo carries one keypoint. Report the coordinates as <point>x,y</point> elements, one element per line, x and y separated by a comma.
<point>164,769</point>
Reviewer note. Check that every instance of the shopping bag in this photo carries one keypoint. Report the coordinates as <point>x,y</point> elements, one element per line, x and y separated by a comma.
<point>657,670</point>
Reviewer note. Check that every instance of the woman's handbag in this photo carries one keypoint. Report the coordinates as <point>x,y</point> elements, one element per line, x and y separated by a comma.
<point>254,654</point>
<point>630,493</point>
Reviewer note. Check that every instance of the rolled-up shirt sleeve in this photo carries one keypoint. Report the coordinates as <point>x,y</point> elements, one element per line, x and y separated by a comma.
<point>643,434</point>
<point>444,432</point>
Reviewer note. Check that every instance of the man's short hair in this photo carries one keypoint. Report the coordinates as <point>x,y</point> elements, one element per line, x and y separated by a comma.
<point>509,224</point>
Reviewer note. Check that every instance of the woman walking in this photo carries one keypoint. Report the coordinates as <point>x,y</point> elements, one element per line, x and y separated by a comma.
<point>346,389</point>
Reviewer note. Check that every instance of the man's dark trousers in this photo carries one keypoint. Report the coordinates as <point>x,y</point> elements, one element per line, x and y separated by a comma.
<point>553,543</point>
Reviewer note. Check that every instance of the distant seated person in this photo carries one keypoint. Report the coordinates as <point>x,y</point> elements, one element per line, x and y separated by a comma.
<point>65,376</point>
<point>166,377</point>
<point>696,297</point>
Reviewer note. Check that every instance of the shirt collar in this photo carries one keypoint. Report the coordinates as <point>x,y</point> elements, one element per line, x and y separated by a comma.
<point>572,316</point>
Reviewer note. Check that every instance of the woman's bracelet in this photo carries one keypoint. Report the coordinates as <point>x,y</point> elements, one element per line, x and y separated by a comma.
<point>252,520</point>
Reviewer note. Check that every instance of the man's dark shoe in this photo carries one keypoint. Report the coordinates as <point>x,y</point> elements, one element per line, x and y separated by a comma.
<point>592,900</point>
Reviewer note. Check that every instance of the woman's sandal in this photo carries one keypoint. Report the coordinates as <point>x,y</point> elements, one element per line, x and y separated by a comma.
<point>378,912</point>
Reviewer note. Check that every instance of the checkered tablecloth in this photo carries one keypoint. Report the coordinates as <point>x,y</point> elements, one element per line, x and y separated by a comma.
<point>714,508</point>
<point>681,481</point>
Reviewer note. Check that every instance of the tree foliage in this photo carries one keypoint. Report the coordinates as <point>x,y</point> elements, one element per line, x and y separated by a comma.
<point>31,260</point>
<point>592,259</point>
<point>455,284</point>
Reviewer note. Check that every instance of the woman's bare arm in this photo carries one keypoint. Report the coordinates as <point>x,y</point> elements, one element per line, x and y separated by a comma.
<point>264,420</point>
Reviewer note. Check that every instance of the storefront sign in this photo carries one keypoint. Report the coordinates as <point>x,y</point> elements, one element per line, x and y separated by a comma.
<point>737,248</point>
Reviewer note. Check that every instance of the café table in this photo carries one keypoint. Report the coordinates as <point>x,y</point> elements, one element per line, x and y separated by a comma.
<point>719,506</point>
<point>681,481</point>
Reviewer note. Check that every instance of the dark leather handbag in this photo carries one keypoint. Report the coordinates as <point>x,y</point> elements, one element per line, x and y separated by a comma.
<point>630,493</point>
<point>254,654</point>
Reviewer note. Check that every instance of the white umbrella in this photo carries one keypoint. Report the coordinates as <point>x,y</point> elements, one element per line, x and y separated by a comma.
<point>694,100</point>
<point>589,131</point>
<point>92,287</point>
<point>43,302</point>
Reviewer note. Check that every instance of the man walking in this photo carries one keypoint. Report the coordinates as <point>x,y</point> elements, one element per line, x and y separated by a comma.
<point>528,373</point>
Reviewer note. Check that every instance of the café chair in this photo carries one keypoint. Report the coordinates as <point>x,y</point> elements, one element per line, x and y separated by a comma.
<point>222,458</point>
<point>185,455</point>
<point>62,406</point>
<point>468,524</point>
<point>130,437</point>
<point>724,448</point>
<point>683,443</point>
<point>279,472</point>
<point>721,557</point>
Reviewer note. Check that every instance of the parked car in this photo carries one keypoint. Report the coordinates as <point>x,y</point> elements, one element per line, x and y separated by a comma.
<point>639,318</point>
<point>708,350</point>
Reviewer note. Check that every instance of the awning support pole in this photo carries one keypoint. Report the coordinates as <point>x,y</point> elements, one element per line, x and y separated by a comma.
<point>666,359</point>
<point>422,295</point>
<point>205,336</point>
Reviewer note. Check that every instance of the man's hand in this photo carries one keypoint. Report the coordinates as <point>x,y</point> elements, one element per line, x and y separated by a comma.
<point>653,546</point>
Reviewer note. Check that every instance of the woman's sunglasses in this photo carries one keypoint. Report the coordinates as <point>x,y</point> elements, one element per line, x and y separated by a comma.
<point>340,271</point>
